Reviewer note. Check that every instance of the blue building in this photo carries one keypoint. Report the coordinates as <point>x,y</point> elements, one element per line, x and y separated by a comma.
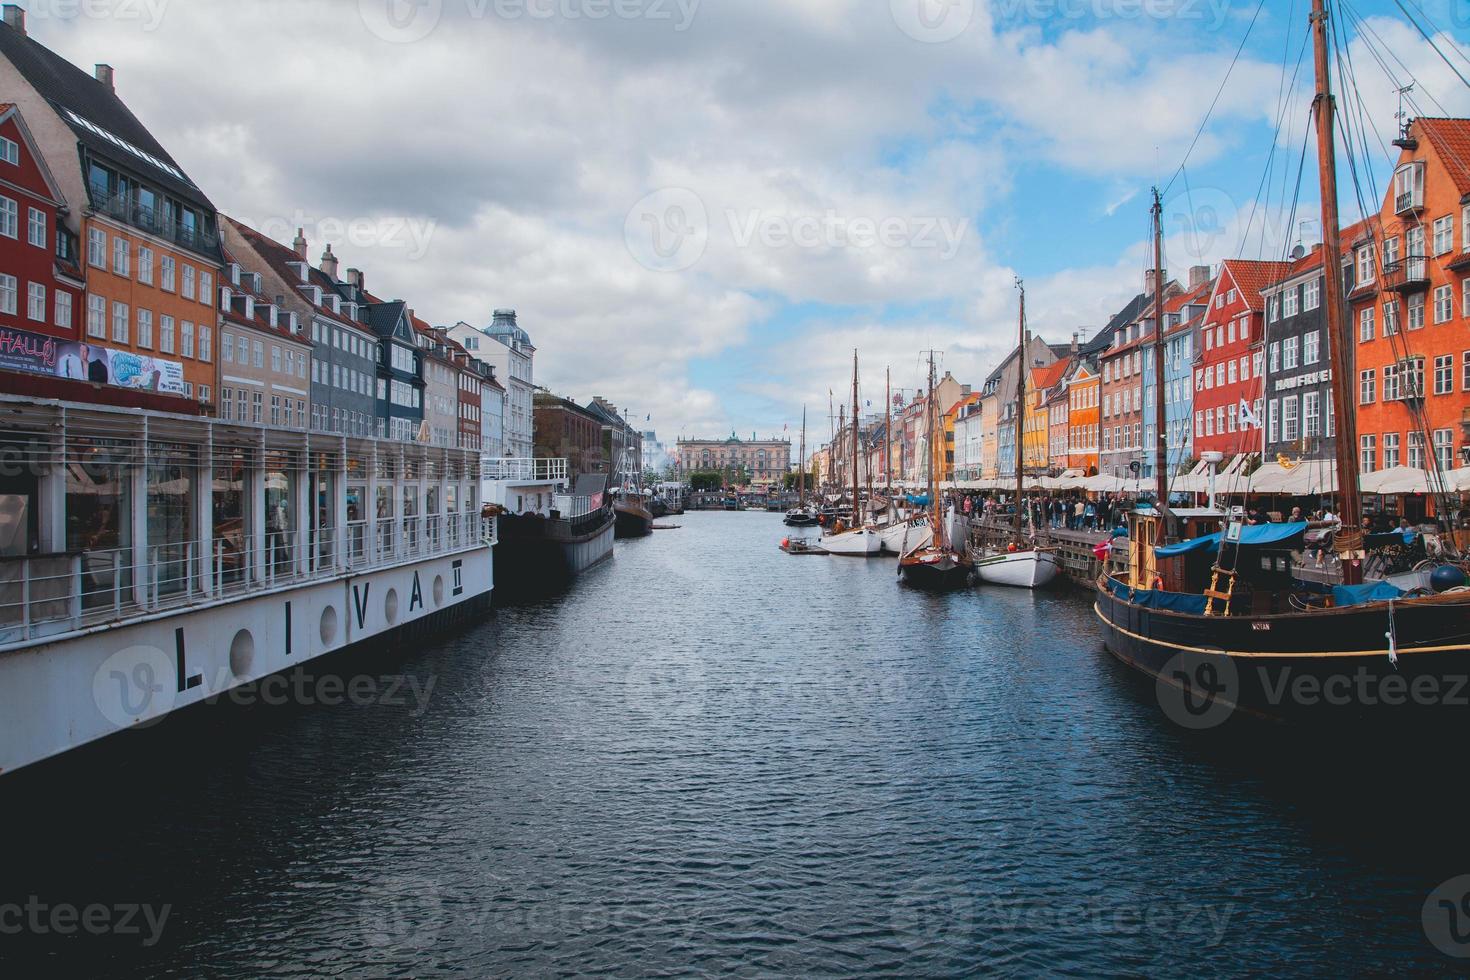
<point>1182,316</point>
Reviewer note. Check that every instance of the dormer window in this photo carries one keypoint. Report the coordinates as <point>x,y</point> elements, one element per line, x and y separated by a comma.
<point>235,273</point>
<point>1408,187</point>
<point>316,295</point>
<point>226,298</point>
<point>336,304</point>
<point>272,313</point>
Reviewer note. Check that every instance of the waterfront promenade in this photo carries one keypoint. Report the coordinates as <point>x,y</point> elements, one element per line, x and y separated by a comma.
<point>710,757</point>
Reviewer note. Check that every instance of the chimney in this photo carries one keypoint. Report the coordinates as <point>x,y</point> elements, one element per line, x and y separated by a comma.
<point>15,18</point>
<point>1148,281</point>
<point>329,263</point>
<point>300,243</point>
<point>357,279</point>
<point>1198,276</point>
<point>104,75</point>
<point>1075,336</point>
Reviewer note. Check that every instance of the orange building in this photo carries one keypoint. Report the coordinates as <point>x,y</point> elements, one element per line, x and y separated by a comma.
<point>1036,427</point>
<point>1410,299</point>
<point>1084,389</point>
<point>955,411</point>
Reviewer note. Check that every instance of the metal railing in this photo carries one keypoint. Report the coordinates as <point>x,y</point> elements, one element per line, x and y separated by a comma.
<point>570,507</point>
<point>537,470</point>
<point>48,595</point>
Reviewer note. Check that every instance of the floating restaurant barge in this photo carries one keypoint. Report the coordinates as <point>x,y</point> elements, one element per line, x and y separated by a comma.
<point>176,557</point>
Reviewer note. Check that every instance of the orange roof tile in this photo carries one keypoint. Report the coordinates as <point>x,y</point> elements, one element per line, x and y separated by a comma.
<point>1251,275</point>
<point>1451,141</point>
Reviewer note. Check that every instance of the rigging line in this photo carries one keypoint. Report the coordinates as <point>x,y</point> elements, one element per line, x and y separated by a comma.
<point>1218,92</point>
<point>1438,31</point>
<point>1430,40</point>
<point>1366,29</point>
<point>1275,140</point>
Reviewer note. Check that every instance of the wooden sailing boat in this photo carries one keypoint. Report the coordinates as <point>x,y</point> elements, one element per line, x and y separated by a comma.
<point>862,541</point>
<point>936,565</point>
<point>1241,631</point>
<point>1021,563</point>
<point>801,516</point>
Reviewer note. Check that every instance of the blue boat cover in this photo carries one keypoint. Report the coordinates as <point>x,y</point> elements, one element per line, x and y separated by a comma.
<point>1354,595</point>
<point>1388,539</point>
<point>918,500</point>
<point>1252,535</point>
<point>1180,602</point>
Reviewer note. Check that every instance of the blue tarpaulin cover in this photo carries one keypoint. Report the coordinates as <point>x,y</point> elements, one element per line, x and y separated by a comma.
<point>1180,602</point>
<point>1252,535</point>
<point>918,500</point>
<point>1354,595</point>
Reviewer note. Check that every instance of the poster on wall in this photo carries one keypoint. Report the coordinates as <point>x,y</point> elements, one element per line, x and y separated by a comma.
<point>36,353</point>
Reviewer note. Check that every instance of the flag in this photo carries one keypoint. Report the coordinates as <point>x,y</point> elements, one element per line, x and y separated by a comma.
<point>1248,417</point>
<point>1103,550</point>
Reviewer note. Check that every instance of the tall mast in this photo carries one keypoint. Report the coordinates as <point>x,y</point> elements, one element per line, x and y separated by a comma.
<point>1161,451</point>
<point>888,427</point>
<point>801,464</point>
<point>1020,404</point>
<point>854,440</point>
<point>1339,347</point>
<point>936,521</point>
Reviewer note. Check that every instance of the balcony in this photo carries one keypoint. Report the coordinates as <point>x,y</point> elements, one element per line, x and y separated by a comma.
<point>526,470</point>
<point>124,209</point>
<point>1406,276</point>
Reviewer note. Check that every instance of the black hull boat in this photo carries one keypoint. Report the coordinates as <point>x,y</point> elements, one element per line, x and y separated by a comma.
<point>936,569</point>
<point>540,556</point>
<point>1405,657</point>
<point>633,520</point>
<point>801,518</point>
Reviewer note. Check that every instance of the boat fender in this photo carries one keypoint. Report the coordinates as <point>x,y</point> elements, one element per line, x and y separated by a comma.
<point>785,542</point>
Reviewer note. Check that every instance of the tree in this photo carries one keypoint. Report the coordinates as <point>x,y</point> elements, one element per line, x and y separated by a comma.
<point>706,481</point>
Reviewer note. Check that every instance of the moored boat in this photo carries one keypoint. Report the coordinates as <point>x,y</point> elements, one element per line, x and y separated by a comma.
<point>864,542</point>
<point>1031,568</point>
<point>935,564</point>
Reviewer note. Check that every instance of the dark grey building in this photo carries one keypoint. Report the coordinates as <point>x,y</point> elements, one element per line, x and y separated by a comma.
<point>1299,419</point>
<point>400,371</point>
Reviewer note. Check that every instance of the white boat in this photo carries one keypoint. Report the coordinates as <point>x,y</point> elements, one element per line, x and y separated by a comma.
<point>905,536</point>
<point>863,543</point>
<point>1023,569</point>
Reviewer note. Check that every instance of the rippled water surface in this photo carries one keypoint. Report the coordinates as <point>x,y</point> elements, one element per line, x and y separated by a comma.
<point>711,757</point>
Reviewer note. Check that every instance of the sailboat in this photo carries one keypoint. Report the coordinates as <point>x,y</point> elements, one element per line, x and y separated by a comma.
<point>630,502</point>
<point>1222,620</point>
<point>1021,563</point>
<point>935,565</point>
<point>863,541</point>
<point>905,530</point>
<point>800,516</point>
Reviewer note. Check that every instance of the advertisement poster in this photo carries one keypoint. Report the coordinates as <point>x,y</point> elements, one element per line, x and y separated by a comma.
<point>35,353</point>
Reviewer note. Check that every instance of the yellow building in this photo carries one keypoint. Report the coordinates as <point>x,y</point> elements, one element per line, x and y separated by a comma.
<point>1036,428</point>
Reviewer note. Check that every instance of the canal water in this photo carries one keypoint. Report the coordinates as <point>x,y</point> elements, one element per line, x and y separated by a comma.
<point>710,757</point>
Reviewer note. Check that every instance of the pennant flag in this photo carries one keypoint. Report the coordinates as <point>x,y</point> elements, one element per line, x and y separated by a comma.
<point>1247,417</point>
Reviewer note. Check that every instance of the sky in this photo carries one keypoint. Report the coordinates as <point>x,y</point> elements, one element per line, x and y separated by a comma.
<point>700,208</point>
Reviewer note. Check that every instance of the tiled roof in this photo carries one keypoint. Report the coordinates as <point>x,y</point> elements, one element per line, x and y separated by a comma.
<point>68,87</point>
<point>279,258</point>
<point>1451,141</point>
<point>1252,275</point>
<point>1044,377</point>
<point>1311,260</point>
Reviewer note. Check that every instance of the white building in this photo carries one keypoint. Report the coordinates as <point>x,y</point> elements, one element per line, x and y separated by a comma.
<point>492,414</point>
<point>508,349</point>
<point>968,440</point>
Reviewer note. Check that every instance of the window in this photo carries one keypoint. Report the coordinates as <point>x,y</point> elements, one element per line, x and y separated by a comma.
<point>120,317</point>
<point>227,347</point>
<point>259,348</point>
<point>188,289</point>
<point>1271,421</point>
<point>1311,346</point>
<point>1414,245</point>
<point>226,403</point>
<point>186,338</point>
<point>145,265</point>
<point>1416,312</point>
<point>1391,382</point>
<point>1391,251</point>
<point>1245,368</point>
<point>1365,323</point>
<point>1230,418</point>
<point>1411,378</point>
<point>276,358</point>
<point>166,268</point>
<point>256,402</point>
<point>97,248</point>
<point>275,409</point>
<point>10,151</point>
<point>36,228</point>
<point>1416,450</point>
<point>145,328</point>
<point>1390,318</point>
<point>1444,374</point>
<point>1312,295</point>
<point>1220,375</point>
<point>36,302</point>
<point>1369,453</point>
<point>96,317</point>
<point>1288,302</point>
<point>1273,309</point>
<point>1289,353</point>
<point>121,257</point>
<point>242,352</point>
<point>1311,414</point>
<point>206,288</point>
<point>63,309</point>
<point>1275,356</point>
<point>1231,373</point>
<point>1365,264</point>
<point>1366,386</point>
<point>1444,234</point>
<point>1408,191</point>
<point>9,218</point>
<point>1444,303</point>
<point>1258,361</point>
<point>206,342</point>
<point>166,334</point>
<point>1444,449</point>
<point>1289,424</point>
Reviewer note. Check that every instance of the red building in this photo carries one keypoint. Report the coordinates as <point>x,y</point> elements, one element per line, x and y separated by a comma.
<point>1230,359</point>
<point>41,286</point>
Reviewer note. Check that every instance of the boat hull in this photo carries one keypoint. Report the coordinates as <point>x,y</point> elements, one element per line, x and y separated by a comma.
<point>862,543</point>
<point>800,519</point>
<point>1019,569</point>
<point>633,521</point>
<point>1324,664</point>
<point>918,536</point>
<point>934,571</point>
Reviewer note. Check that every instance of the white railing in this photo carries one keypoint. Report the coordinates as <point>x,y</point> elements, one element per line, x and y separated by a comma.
<point>571,507</point>
<point>47,595</point>
<point>530,470</point>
